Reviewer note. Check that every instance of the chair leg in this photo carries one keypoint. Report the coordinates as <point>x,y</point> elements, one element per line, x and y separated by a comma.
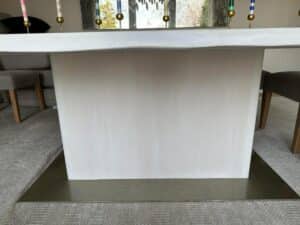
<point>15,105</point>
<point>40,94</point>
<point>296,141</point>
<point>265,107</point>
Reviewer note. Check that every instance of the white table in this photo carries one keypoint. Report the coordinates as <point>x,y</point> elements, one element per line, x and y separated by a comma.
<point>156,104</point>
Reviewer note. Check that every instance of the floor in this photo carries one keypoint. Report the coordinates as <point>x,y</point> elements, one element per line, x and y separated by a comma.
<point>25,151</point>
<point>53,186</point>
<point>153,213</point>
<point>273,143</point>
<point>30,146</point>
<point>264,183</point>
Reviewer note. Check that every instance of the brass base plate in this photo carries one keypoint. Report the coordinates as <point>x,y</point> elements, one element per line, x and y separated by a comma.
<point>53,186</point>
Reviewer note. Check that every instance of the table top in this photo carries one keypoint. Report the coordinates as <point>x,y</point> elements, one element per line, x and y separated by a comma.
<point>150,39</point>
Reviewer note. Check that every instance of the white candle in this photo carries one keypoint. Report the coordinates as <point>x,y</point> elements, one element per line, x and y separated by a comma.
<point>59,8</point>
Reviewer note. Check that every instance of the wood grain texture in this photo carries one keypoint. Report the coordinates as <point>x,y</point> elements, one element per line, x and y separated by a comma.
<point>15,105</point>
<point>40,94</point>
<point>265,108</point>
<point>158,114</point>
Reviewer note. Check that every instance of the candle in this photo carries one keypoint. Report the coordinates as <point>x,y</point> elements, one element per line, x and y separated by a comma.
<point>24,12</point>
<point>119,6</point>
<point>97,7</point>
<point>231,8</point>
<point>98,20</point>
<point>251,15</point>
<point>119,15</point>
<point>166,17</point>
<point>59,18</point>
<point>59,8</point>
<point>166,8</point>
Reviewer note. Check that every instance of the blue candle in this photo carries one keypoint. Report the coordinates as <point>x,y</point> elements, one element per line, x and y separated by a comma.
<point>98,20</point>
<point>119,6</point>
<point>252,6</point>
<point>251,15</point>
<point>119,15</point>
<point>97,9</point>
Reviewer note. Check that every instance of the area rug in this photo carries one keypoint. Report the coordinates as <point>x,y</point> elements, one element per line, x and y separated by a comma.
<point>273,143</point>
<point>26,149</point>
<point>202,213</point>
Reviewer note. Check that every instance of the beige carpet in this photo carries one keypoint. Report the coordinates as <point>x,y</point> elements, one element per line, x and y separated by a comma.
<point>25,150</point>
<point>273,143</point>
<point>202,213</point>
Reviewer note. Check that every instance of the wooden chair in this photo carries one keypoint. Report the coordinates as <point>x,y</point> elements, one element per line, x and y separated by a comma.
<point>10,82</point>
<point>20,72</point>
<point>286,84</point>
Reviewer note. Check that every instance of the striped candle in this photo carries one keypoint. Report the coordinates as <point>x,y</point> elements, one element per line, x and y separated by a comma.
<point>59,9</point>
<point>251,15</point>
<point>252,7</point>
<point>24,12</point>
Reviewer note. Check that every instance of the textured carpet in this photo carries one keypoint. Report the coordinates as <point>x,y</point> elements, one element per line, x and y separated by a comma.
<point>273,143</point>
<point>25,150</point>
<point>204,213</point>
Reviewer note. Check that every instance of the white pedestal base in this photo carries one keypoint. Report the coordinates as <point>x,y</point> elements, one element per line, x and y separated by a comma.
<point>158,113</point>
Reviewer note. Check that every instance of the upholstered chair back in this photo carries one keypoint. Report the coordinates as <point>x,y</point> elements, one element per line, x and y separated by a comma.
<point>25,62</point>
<point>3,29</point>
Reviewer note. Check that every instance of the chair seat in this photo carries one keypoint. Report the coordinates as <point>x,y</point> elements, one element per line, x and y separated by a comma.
<point>18,79</point>
<point>286,84</point>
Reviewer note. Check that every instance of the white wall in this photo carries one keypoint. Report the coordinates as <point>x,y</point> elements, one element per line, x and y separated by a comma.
<point>46,10</point>
<point>273,13</point>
